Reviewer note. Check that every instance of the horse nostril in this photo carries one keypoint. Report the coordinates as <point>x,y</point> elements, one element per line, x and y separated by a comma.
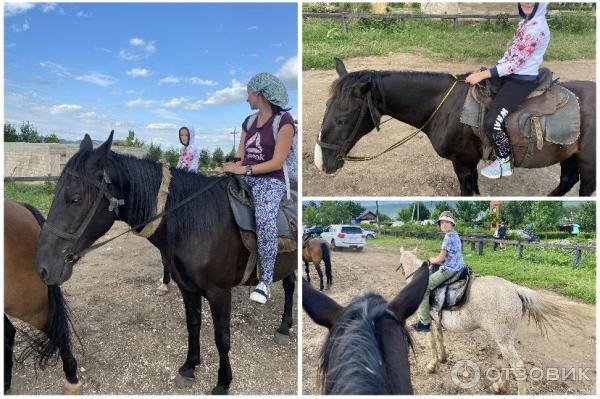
<point>43,273</point>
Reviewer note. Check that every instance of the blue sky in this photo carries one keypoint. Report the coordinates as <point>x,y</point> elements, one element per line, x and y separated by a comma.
<point>81,68</point>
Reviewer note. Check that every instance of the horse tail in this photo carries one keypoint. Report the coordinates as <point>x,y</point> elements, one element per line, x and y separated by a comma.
<point>539,308</point>
<point>36,214</point>
<point>326,258</point>
<point>48,345</point>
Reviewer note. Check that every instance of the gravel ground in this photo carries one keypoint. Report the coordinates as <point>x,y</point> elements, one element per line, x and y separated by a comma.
<point>135,341</point>
<point>413,169</point>
<point>570,345</point>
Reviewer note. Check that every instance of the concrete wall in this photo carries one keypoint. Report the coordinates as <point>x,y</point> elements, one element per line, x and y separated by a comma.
<point>469,8</point>
<point>33,159</point>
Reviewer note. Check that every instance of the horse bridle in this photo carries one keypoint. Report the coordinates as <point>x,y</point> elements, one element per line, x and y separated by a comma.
<point>342,149</point>
<point>114,204</point>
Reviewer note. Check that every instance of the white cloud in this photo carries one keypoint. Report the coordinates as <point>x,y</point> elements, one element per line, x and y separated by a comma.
<point>139,103</point>
<point>88,117</point>
<point>21,28</point>
<point>10,45</point>
<point>139,73</point>
<point>15,97</point>
<point>232,71</point>
<point>147,46</point>
<point>288,73</point>
<point>229,95</point>
<point>201,82</point>
<point>130,91</point>
<point>176,102</point>
<point>98,79</point>
<point>62,108</point>
<point>162,126</point>
<point>126,55</point>
<point>48,7</point>
<point>104,50</point>
<point>169,80</point>
<point>82,14</point>
<point>253,55</point>
<point>166,114</point>
<point>279,59</point>
<point>55,68</point>
<point>136,42</point>
<point>12,9</point>
<point>253,27</point>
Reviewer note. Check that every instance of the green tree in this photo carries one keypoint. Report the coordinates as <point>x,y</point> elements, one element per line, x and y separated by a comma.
<point>383,218</point>
<point>585,216</point>
<point>204,159</point>
<point>334,212</point>
<point>440,207</point>
<point>172,156</point>
<point>131,141</point>
<point>218,157</point>
<point>52,138</point>
<point>515,212</point>
<point>467,211</point>
<point>405,214</point>
<point>545,215</point>
<point>310,215</point>
<point>10,133</point>
<point>29,134</point>
<point>231,154</point>
<point>154,152</point>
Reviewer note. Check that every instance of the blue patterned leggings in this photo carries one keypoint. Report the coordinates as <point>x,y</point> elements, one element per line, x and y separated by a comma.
<point>267,194</point>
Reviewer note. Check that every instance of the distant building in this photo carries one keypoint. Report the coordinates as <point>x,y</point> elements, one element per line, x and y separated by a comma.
<point>367,216</point>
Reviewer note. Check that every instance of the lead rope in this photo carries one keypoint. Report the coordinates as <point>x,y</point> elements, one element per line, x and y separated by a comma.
<point>410,136</point>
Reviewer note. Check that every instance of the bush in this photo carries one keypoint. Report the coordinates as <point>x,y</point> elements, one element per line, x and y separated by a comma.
<point>154,152</point>
<point>172,156</point>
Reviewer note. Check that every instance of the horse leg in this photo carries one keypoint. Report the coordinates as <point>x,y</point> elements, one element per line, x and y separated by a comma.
<point>432,366</point>
<point>282,335</point>
<point>164,287</point>
<point>467,178</point>
<point>569,176</point>
<point>320,273</point>
<point>506,344</point>
<point>587,172</point>
<point>193,319</point>
<point>9,343</point>
<point>220,307</point>
<point>307,270</point>
<point>442,357</point>
<point>72,385</point>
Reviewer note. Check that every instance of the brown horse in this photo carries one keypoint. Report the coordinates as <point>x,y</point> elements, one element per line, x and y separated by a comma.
<point>314,250</point>
<point>28,299</point>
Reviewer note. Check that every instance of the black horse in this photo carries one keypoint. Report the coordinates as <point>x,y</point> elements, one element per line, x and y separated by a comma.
<point>359,99</point>
<point>366,352</point>
<point>200,240</point>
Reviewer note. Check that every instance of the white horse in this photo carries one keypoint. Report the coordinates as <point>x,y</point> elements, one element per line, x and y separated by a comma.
<point>494,305</point>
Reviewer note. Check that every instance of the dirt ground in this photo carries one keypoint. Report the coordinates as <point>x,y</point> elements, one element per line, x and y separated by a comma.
<point>135,341</point>
<point>573,345</point>
<point>413,169</point>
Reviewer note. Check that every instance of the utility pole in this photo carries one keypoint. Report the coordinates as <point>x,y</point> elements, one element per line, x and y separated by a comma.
<point>234,134</point>
<point>377,214</point>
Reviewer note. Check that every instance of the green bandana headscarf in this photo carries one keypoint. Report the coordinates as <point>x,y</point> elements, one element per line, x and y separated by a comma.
<point>271,87</point>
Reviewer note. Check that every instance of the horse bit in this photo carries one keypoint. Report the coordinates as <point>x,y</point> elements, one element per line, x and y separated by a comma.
<point>114,204</point>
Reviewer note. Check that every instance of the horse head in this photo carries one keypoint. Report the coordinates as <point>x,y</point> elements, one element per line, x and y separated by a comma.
<point>409,262</point>
<point>366,351</point>
<point>84,207</point>
<point>353,110</point>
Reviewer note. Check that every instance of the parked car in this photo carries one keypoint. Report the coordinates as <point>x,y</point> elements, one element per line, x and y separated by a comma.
<point>315,230</point>
<point>345,236</point>
<point>525,235</point>
<point>369,234</point>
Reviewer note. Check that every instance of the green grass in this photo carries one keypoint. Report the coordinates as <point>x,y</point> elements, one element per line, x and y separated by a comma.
<point>549,269</point>
<point>38,195</point>
<point>323,40</point>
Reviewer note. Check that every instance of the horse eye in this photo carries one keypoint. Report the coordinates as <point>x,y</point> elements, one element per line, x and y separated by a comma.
<point>75,199</point>
<point>341,121</point>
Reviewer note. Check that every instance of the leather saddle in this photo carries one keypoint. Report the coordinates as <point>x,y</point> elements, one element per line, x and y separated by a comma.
<point>453,292</point>
<point>550,115</point>
<point>242,205</point>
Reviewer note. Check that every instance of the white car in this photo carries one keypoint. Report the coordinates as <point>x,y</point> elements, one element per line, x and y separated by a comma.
<point>369,234</point>
<point>345,236</point>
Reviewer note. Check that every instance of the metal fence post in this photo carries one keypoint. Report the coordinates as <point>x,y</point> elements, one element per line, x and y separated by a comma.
<point>480,248</point>
<point>344,25</point>
<point>577,259</point>
<point>519,250</point>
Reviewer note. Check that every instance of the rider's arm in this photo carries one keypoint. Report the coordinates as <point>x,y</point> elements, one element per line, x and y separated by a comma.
<point>438,260</point>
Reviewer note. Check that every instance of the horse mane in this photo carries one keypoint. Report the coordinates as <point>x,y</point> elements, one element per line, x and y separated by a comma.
<point>355,345</point>
<point>341,90</point>
<point>143,177</point>
<point>36,214</point>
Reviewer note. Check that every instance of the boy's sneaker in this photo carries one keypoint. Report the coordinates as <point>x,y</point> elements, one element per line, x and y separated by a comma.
<point>260,293</point>
<point>420,327</point>
<point>497,169</point>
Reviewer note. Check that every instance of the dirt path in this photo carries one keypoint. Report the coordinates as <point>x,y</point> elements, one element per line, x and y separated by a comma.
<point>374,269</point>
<point>135,341</point>
<point>415,168</point>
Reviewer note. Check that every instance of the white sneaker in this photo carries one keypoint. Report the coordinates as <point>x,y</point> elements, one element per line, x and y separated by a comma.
<point>260,294</point>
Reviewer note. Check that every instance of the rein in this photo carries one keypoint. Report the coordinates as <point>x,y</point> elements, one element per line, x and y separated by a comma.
<point>367,102</point>
<point>70,257</point>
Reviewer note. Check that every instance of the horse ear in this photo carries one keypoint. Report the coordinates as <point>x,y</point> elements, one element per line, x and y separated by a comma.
<point>86,143</point>
<point>340,68</point>
<point>98,157</point>
<point>409,299</point>
<point>402,249</point>
<point>415,249</point>
<point>323,310</point>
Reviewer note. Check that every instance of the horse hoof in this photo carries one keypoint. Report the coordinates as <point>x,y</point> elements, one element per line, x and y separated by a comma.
<point>498,388</point>
<point>162,289</point>
<point>183,382</point>
<point>220,390</point>
<point>442,359</point>
<point>72,389</point>
<point>431,367</point>
<point>281,339</point>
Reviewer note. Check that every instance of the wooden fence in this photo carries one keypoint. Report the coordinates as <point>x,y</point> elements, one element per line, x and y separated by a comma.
<point>477,241</point>
<point>344,17</point>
